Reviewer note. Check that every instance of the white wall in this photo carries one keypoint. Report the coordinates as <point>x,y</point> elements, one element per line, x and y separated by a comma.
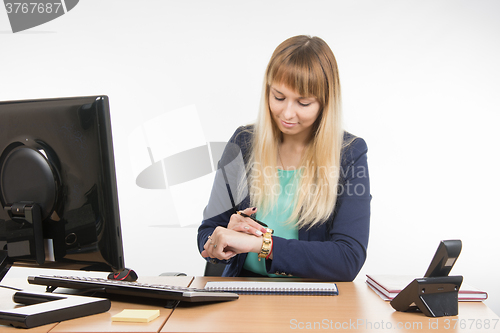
<point>420,83</point>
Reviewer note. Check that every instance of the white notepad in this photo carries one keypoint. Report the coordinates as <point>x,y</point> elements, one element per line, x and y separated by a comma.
<point>284,288</point>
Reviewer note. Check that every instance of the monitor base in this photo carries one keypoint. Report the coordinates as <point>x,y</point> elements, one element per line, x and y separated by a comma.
<point>46,308</point>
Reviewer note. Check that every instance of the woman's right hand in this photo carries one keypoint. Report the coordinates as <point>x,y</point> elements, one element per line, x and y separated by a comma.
<point>246,224</point>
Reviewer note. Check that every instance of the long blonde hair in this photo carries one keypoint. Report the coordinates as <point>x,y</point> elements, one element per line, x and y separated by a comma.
<point>306,65</point>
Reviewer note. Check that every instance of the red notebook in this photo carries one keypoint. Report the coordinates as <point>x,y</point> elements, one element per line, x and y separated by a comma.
<point>388,286</point>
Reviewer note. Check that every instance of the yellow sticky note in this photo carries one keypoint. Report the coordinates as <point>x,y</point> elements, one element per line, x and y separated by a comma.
<point>136,315</point>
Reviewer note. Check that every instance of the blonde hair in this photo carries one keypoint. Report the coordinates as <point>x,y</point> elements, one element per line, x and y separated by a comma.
<point>306,65</point>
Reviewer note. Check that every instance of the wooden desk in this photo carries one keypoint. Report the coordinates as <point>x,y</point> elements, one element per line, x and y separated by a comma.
<point>356,308</point>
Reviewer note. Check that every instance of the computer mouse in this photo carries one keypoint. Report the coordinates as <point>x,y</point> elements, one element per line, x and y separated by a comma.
<point>126,275</point>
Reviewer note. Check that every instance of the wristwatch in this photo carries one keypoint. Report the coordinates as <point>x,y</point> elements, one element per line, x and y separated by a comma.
<point>267,244</point>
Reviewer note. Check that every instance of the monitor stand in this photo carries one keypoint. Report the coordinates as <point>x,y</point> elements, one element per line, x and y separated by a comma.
<point>46,308</point>
<point>28,215</point>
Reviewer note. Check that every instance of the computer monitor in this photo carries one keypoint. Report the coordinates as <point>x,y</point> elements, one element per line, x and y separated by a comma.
<point>58,185</point>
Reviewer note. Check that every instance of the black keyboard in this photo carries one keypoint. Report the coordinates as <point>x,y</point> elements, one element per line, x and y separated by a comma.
<point>157,291</point>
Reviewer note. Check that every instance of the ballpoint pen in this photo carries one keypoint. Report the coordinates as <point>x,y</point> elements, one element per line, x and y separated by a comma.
<point>245,215</point>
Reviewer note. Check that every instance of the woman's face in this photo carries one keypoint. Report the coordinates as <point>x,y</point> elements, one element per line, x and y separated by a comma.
<point>293,114</point>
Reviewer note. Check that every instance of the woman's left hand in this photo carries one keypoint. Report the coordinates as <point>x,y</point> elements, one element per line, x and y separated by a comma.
<point>224,244</point>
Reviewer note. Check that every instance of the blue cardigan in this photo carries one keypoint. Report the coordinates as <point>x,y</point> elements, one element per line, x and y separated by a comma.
<point>332,251</point>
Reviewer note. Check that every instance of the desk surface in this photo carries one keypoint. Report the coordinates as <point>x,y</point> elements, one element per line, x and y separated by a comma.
<point>356,308</point>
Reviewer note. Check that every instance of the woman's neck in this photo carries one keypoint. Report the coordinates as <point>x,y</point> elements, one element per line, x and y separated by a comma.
<point>290,152</point>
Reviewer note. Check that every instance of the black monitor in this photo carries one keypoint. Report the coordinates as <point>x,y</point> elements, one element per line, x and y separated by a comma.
<point>58,185</point>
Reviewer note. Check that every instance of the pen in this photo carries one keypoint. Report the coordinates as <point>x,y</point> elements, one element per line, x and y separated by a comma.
<point>245,215</point>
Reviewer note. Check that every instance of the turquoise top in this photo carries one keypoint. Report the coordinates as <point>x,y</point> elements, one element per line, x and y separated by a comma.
<point>276,219</point>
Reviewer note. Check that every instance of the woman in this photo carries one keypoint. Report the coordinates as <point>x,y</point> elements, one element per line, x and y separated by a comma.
<point>307,178</point>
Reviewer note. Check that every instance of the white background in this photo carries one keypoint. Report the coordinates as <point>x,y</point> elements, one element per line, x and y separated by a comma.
<point>420,84</point>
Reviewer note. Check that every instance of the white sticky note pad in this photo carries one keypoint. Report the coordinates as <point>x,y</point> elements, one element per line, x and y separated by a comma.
<point>136,315</point>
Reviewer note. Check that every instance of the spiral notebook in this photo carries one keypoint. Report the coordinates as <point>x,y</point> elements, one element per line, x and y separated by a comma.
<point>281,288</point>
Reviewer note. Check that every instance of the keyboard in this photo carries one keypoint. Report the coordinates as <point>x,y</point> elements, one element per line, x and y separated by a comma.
<point>144,290</point>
